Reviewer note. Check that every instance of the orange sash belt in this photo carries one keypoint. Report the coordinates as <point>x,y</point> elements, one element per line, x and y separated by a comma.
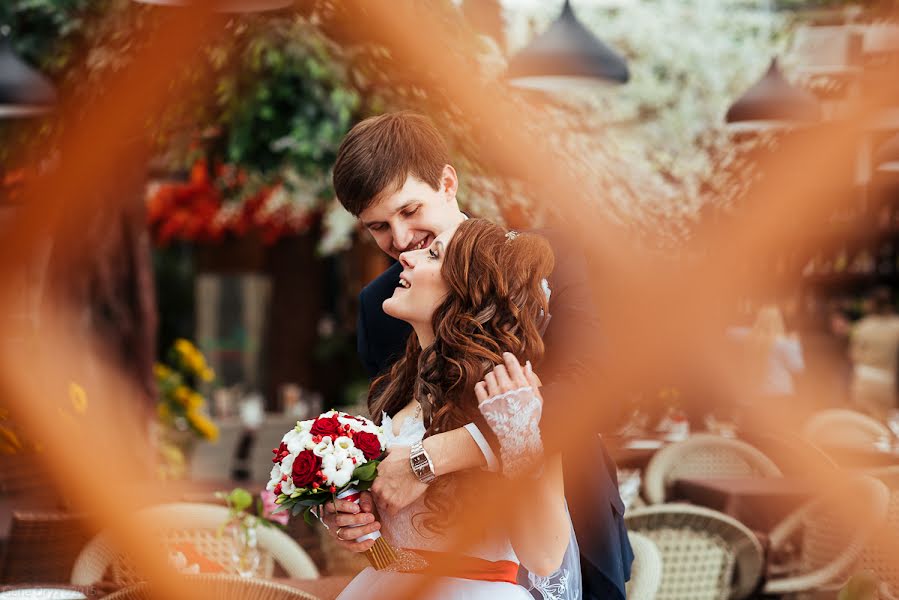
<point>445,564</point>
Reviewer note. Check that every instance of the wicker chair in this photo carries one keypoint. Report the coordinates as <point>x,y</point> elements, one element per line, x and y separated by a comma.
<point>832,538</point>
<point>196,524</point>
<point>880,556</point>
<point>646,570</point>
<point>843,427</point>
<point>703,455</point>
<point>221,587</point>
<point>42,546</point>
<point>706,555</point>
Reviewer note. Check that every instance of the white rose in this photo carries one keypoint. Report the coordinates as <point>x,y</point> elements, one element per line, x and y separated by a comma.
<point>287,464</point>
<point>330,473</point>
<point>340,456</point>
<point>324,447</point>
<point>344,443</point>
<point>343,475</point>
<point>304,426</point>
<point>295,441</point>
<point>274,478</point>
<point>329,461</point>
<point>358,455</point>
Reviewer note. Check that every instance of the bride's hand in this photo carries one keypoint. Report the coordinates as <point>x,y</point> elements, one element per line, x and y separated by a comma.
<point>507,377</point>
<point>345,521</point>
<point>509,398</point>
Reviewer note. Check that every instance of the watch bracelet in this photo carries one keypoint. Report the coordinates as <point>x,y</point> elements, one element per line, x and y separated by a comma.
<point>421,463</point>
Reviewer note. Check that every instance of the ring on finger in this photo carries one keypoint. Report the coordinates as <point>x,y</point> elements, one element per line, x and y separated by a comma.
<point>337,534</point>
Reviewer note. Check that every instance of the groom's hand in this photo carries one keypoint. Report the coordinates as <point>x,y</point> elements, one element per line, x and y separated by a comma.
<point>346,521</point>
<point>396,486</point>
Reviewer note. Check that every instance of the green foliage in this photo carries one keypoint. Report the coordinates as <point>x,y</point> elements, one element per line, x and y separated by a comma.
<point>279,97</point>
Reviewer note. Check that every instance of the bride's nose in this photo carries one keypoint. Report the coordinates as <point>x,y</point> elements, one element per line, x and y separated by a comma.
<point>406,259</point>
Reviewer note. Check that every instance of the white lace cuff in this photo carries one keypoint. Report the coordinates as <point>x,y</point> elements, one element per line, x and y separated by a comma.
<point>514,417</point>
<point>486,450</point>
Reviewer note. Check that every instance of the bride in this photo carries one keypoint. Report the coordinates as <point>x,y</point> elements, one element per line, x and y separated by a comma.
<point>476,299</point>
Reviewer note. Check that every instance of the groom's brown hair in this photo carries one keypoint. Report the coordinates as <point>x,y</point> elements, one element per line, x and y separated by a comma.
<point>379,153</point>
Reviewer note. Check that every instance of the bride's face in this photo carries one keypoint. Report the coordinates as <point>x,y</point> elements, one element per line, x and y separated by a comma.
<point>421,287</point>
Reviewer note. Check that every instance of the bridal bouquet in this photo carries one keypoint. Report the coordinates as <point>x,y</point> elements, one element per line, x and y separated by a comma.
<point>333,456</point>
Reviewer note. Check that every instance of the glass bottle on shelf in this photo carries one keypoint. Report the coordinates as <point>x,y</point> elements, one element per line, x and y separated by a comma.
<point>841,261</point>
<point>863,263</point>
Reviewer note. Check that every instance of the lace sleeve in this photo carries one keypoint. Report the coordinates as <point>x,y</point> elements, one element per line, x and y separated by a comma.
<point>565,583</point>
<point>515,419</point>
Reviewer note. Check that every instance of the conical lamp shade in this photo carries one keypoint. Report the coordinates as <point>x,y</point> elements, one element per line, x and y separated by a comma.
<point>229,6</point>
<point>23,90</point>
<point>567,50</point>
<point>772,98</point>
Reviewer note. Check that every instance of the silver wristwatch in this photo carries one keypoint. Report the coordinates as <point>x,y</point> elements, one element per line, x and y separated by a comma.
<point>421,463</point>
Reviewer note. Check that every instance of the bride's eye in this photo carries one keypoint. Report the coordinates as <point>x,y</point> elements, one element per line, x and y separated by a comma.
<point>432,254</point>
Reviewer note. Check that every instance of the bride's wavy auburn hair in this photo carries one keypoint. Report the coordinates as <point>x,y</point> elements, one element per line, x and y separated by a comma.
<point>495,304</point>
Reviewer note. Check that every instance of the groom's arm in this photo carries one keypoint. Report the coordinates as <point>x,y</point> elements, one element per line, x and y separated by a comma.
<point>458,450</point>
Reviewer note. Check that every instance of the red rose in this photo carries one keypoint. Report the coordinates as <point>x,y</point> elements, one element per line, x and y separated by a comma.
<point>326,426</point>
<point>305,466</point>
<point>368,443</point>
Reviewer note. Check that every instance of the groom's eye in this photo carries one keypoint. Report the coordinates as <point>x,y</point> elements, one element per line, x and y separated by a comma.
<point>409,213</point>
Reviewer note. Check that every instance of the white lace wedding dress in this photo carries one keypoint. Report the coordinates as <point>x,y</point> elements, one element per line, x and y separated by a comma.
<point>399,531</point>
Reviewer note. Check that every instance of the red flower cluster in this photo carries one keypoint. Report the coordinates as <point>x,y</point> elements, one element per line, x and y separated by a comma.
<point>197,211</point>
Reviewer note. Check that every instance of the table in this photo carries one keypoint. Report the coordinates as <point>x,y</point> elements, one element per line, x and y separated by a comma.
<point>760,503</point>
<point>630,452</point>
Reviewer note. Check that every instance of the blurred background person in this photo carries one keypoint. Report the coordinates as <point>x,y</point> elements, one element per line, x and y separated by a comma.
<point>770,359</point>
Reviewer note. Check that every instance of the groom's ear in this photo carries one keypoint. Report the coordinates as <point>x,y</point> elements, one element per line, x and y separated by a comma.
<point>449,182</point>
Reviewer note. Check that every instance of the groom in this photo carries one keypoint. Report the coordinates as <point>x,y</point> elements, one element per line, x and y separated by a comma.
<point>393,173</point>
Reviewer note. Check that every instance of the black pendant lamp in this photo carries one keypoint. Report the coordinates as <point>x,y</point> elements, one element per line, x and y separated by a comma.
<point>773,99</point>
<point>24,92</point>
<point>226,6</point>
<point>566,51</point>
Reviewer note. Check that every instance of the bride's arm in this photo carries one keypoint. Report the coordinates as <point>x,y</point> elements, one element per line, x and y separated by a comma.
<point>510,401</point>
<point>540,528</point>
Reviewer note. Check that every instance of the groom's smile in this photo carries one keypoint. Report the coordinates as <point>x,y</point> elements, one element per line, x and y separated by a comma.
<point>422,242</point>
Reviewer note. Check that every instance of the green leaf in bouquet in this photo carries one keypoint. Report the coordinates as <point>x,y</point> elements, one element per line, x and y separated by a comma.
<point>307,516</point>
<point>313,501</point>
<point>366,472</point>
<point>280,508</point>
<point>298,508</point>
<point>363,486</point>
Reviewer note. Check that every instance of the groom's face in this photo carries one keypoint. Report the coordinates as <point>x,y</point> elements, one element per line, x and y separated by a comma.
<point>412,217</point>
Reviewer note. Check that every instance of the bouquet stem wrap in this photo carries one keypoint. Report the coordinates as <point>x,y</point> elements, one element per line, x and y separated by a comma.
<point>381,554</point>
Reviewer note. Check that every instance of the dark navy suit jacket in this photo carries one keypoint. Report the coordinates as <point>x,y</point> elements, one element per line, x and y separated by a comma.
<point>571,342</point>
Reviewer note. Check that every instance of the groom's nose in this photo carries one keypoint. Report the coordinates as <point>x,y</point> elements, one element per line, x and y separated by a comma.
<point>402,237</point>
